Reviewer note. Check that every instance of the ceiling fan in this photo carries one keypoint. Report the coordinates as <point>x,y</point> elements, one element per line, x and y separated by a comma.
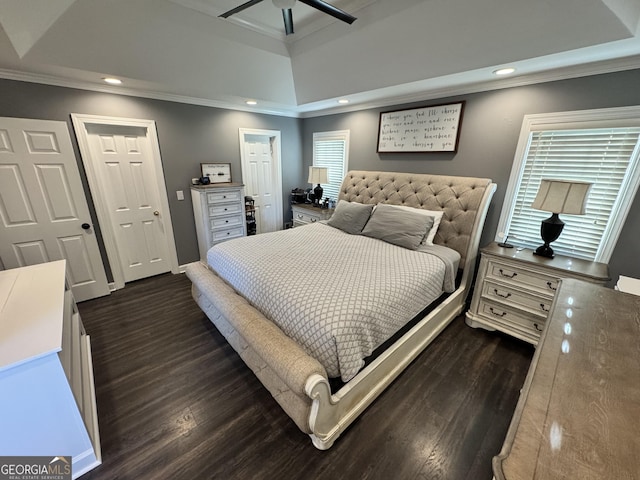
<point>287,5</point>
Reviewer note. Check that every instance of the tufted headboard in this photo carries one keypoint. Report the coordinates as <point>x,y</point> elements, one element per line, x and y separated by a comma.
<point>464,200</point>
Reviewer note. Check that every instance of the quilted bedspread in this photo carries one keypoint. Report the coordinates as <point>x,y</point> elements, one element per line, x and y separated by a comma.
<point>338,295</point>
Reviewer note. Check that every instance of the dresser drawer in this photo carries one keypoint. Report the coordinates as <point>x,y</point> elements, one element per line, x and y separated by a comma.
<point>224,222</point>
<point>220,197</point>
<point>506,295</point>
<point>226,234</point>
<point>510,319</point>
<point>544,284</point>
<point>225,209</point>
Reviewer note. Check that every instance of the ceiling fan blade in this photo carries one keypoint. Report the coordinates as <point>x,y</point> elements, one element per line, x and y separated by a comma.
<point>233,11</point>
<point>330,10</point>
<point>287,14</point>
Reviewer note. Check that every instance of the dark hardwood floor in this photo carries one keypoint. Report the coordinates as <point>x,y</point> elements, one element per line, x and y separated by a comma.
<point>176,402</point>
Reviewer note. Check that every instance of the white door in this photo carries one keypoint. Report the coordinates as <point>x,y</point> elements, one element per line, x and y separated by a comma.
<point>124,167</point>
<point>261,176</point>
<point>43,209</point>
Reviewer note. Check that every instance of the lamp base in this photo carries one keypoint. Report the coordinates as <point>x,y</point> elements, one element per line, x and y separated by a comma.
<point>318,194</point>
<point>544,251</point>
<point>550,230</point>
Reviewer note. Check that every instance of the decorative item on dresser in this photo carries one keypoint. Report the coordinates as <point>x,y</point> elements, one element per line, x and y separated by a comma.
<point>48,403</point>
<point>515,288</point>
<point>219,214</point>
<point>304,214</point>
<point>578,415</point>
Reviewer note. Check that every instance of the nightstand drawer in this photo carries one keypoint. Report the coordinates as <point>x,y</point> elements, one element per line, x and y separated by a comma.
<point>218,197</point>
<point>228,221</point>
<point>225,209</point>
<point>509,319</point>
<point>544,284</point>
<point>305,217</point>
<point>220,235</point>
<point>509,296</point>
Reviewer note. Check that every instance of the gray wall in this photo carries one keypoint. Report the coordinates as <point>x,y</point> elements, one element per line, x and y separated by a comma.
<point>191,134</point>
<point>188,135</point>
<point>488,138</point>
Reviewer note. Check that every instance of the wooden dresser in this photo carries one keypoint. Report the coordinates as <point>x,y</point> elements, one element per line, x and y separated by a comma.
<point>47,399</point>
<point>515,288</point>
<point>578,415</point>
<point>219,213</point>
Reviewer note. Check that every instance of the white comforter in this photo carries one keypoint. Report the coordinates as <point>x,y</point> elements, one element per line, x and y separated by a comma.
<point>338,295</point>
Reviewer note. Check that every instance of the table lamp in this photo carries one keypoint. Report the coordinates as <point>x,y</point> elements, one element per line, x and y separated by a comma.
<point>558,196</point>
<point>318,175</point>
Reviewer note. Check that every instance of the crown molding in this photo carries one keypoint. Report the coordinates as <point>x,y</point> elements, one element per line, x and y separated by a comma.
<point>415,92</point>
<point>142,93</point>
<point>421,91</point>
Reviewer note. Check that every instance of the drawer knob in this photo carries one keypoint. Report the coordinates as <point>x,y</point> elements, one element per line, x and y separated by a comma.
<point>552,286</point>
<point>508,275</point>
<point>300,216</point>
<point>495,290</point>
<point>543,307</point>
<point>313,219</point>
<point>226,221</point>
<point>537,327</point>
<point>497,314</point>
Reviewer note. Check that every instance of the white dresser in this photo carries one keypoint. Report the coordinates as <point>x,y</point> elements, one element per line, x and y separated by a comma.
<point>219,214</point>
<point>47,400</point>
<point>514,289</point>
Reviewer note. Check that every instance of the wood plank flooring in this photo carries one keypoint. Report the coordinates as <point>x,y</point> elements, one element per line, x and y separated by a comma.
<point>176,402</point>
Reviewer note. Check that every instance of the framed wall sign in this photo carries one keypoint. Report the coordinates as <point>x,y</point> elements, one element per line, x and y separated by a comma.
<point>217,172</point>
<point>424,129</point>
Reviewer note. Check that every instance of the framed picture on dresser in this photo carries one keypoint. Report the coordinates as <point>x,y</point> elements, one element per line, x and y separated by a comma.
<point>217,172</point>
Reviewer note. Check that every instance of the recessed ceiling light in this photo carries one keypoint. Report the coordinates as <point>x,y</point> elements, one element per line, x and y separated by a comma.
<point>343,101</point>
<point>504,71</point>
<point>112,81</point>
<point>251,102</point>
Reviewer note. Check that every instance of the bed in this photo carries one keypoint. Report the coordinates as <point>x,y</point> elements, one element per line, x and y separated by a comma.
<point>298,370</point>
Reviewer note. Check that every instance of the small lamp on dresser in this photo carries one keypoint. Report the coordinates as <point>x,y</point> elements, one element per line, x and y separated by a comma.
<point>318,175</point>
<point>558,196</point>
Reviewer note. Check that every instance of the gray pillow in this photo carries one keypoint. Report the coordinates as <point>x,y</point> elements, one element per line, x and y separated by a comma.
<point>398,226</point>
<point>350,217</point>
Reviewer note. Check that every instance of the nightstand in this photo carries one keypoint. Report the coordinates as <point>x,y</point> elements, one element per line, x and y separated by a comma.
<point>515,288</point>
<point>304,213</point>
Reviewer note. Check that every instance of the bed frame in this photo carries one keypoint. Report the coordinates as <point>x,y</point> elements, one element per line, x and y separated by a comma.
<point>297,381</point>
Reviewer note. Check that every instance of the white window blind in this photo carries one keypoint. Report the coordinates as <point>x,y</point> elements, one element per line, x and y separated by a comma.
<point>330,150</point>
<point>607,157</point>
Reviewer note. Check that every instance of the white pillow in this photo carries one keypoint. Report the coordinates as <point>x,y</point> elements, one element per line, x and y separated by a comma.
<point>437,216</point>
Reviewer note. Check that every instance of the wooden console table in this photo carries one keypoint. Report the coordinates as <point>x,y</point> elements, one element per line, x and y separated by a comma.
<point>578,416</point>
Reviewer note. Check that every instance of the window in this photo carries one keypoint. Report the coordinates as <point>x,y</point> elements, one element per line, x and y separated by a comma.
<point>331,150</point>
<point>597,146</point>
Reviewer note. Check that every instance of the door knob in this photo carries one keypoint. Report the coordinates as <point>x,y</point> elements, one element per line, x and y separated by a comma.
<point>156,213</point>
<point>85,226</point>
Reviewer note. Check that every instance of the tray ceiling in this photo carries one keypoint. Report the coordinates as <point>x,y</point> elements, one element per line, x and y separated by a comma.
<point>400,50</point>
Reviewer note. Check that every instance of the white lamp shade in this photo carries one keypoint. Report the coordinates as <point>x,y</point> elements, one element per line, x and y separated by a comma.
<point>318,175</point>
<point>562,196</point>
